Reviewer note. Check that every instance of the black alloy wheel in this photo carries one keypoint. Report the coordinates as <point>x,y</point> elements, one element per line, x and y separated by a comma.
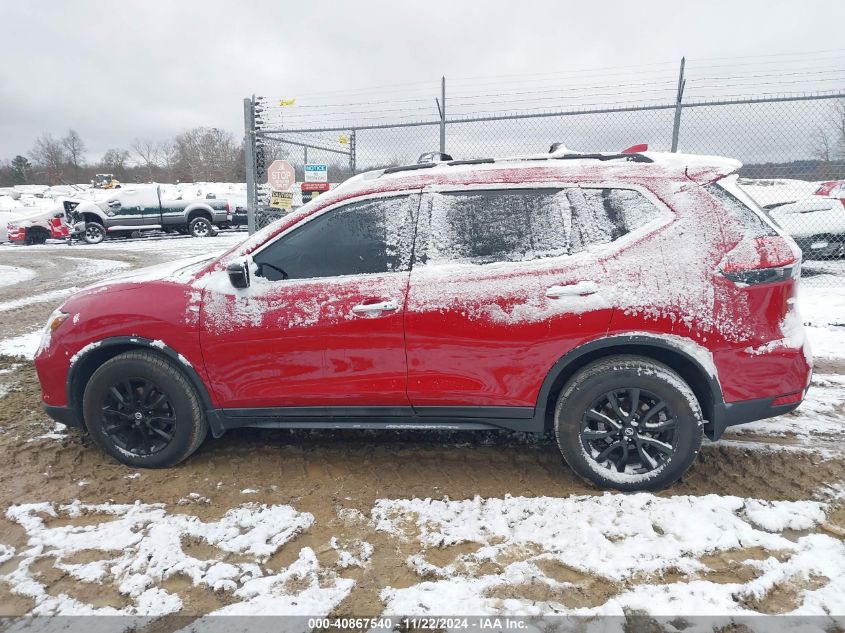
<point>138,417</point>
<point>629,430</point>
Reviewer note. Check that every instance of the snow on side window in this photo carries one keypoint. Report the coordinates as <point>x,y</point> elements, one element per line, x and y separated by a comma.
<point>607,214</point>
<point>367,237</point>
<point>752,223</point>
<point>505,225</point>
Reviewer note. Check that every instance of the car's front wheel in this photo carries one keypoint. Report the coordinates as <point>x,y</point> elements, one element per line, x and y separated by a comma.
<point>94,233</point>
<point>629,423</point>
<point>142,410</point>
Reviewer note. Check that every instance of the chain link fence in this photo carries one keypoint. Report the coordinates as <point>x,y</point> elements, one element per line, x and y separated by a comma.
<point>787,145</point>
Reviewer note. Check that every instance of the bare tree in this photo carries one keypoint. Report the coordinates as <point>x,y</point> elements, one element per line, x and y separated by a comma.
<point>839,124</point>
<point>75,148</point>
<point>114,161</point>
<point>49,154</point>
<point>206,154</point>
<point>822,148</point>
<point>149,153</point>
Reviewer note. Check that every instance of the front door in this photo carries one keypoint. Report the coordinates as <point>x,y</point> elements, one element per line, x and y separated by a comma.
<point>322,323</point>
<point>134,208</point>
<point>497,296</point>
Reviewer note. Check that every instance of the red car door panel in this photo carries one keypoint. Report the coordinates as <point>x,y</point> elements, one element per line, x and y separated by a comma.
<point>319,341</point>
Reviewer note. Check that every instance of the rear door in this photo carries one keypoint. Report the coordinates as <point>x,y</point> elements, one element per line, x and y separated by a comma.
<point>496,298</point>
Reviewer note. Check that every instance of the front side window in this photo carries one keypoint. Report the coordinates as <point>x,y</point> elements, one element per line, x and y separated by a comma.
<point>608,213</point>
<point>367,237</point>
<point>503,225</point>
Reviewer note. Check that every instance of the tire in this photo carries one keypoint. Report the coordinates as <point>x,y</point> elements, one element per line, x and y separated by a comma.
<point>173,409</point>
<point>35,237</point>
<point>200,226</point>
<point>94,233</point>
<point>587,425</point>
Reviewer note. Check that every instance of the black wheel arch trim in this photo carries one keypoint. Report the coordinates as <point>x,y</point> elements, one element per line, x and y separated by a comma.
<point>713,406</point>
<point>719,415</point>
<point>139,342</point>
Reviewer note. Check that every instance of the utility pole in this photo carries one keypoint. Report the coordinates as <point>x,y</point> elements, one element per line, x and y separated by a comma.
<point>676,126</point>
<point>249,159</point>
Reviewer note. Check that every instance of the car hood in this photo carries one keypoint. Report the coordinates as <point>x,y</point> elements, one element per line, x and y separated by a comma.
<point>28,215</point>
<point>182,271</point>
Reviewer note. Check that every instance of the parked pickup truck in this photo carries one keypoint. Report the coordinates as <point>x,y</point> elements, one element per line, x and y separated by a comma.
<point>127,211</point>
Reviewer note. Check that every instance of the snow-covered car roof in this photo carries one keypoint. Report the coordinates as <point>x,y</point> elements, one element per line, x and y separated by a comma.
<point>562,166</point>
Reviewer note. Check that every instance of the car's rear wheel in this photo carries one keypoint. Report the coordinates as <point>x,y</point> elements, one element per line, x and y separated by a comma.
<point>201,227</point>
<point>94,233</point>
<point>629,423</point>
<point>36,235</point>
<point>143,411</point>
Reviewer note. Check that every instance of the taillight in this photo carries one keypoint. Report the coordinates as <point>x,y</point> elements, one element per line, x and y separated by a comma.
<point>762,260</point>
<point>764,275</point>
<point>228,207</point>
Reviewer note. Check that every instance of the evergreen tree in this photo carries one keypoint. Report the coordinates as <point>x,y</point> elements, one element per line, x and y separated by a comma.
<point>21,168</point>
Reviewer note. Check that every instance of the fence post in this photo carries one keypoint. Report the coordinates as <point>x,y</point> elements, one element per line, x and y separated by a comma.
<point>249,159</point>
<point>352,151</point>
<point>443,115</point>
<point>676,126</point>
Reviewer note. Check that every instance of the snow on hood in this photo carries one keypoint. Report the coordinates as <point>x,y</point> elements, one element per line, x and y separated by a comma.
<point>179,272</point>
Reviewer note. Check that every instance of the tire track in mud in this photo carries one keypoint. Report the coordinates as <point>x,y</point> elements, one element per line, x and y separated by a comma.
<point>337,476</point>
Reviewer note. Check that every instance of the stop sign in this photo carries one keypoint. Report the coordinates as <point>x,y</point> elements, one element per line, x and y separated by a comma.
<point>280,175</point>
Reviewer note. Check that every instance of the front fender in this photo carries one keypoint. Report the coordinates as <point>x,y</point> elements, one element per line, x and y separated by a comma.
<point>138,342</point>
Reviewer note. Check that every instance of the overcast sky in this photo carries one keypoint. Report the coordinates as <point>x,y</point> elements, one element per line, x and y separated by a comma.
<point>115,71</point>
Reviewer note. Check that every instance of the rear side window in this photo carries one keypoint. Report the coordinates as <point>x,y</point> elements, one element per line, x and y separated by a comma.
<point>509,225</point>
<point>367,237</point>
<point>741,209</point>
<point>607,214</point>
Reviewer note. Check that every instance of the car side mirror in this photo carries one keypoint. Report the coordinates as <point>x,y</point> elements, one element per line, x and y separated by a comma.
<point>114,204</point>
<point>238,274</point>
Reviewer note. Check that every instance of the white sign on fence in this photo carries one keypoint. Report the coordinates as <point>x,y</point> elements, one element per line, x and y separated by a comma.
<point>316,173</point>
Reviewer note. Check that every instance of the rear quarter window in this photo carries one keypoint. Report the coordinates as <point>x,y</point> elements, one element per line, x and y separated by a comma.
<point>609,213</point>
<point>742,208</point>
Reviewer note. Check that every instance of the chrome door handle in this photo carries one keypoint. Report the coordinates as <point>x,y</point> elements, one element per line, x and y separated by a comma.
<point>580,289</point>
<point>382,306</point>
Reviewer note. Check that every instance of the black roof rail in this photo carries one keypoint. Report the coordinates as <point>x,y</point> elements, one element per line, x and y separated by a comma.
<point>635,158</point>
<point>393,170</point>
<point>472,161</point>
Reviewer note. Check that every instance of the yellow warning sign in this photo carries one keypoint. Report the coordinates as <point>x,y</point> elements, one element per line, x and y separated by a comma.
<point>281,199</point>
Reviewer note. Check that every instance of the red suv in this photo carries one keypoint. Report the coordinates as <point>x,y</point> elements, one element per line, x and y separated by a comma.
<point>630,302</point>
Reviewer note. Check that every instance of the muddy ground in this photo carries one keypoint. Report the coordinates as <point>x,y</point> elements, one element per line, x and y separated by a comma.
<point>324,472</point>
